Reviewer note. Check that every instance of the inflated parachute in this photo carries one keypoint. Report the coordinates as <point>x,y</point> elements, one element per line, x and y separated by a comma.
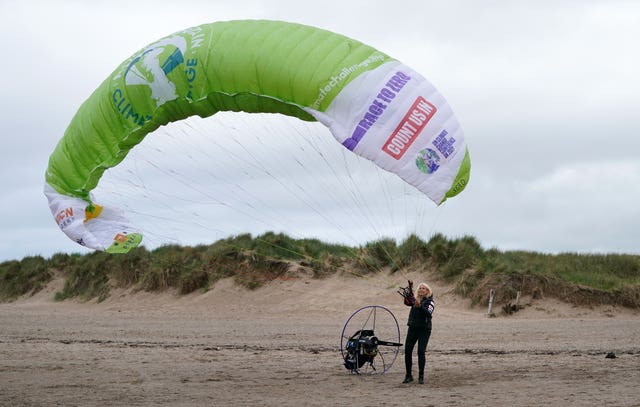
<point>374,105</point>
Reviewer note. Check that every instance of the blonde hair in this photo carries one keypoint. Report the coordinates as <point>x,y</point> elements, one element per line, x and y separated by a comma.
<point>429,290</point>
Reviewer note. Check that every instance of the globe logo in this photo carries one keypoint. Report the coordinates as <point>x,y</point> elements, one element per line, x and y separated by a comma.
<point>428,161</point>
<point>151,67</point>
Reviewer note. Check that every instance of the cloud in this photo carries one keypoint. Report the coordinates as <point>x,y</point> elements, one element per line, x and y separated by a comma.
<point>546,92</point>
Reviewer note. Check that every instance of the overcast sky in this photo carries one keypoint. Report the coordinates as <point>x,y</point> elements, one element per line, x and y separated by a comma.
<point>547,93</point>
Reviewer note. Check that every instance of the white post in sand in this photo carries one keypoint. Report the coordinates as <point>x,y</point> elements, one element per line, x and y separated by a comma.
<point>491,294</point>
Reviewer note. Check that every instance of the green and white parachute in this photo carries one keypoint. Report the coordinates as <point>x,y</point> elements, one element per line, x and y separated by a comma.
<point>374,105</point>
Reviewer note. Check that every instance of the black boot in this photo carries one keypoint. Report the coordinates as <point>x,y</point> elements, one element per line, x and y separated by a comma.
<point>421,378</point>
<point>408,379</point>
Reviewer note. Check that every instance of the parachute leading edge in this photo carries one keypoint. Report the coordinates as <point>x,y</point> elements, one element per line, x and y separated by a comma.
<point>374,106</point>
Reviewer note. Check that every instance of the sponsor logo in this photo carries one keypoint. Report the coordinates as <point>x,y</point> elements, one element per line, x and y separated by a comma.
<point>409,128</point>
<point>120,238</point>
<point>64,217</point>
<point>383,99</point>
<point>428,161</point>
<point>150,69</point>
<point>344,74</point>
<point>445,145</point>
<point>123,242</point>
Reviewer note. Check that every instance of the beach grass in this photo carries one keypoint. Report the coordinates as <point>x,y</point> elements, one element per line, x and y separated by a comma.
<point>581,279</point>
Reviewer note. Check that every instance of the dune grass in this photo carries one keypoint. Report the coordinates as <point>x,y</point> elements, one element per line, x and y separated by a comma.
<point>582,279</point>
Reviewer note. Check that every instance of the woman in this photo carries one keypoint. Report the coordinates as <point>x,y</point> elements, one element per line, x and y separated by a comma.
<point>419,323</point>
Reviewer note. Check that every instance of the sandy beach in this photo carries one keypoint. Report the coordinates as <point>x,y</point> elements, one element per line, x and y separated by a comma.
<point>279,345</point>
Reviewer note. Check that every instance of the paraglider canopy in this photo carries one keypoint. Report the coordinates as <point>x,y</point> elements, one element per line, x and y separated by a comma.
<point>373,105</point>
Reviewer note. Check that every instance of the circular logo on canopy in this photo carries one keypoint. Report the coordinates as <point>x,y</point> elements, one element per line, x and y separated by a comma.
<point>428,161</point>
<point>153,65</point>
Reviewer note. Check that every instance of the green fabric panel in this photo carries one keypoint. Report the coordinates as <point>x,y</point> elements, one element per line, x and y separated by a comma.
<point>462,178</point>
<point>252,66</point>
